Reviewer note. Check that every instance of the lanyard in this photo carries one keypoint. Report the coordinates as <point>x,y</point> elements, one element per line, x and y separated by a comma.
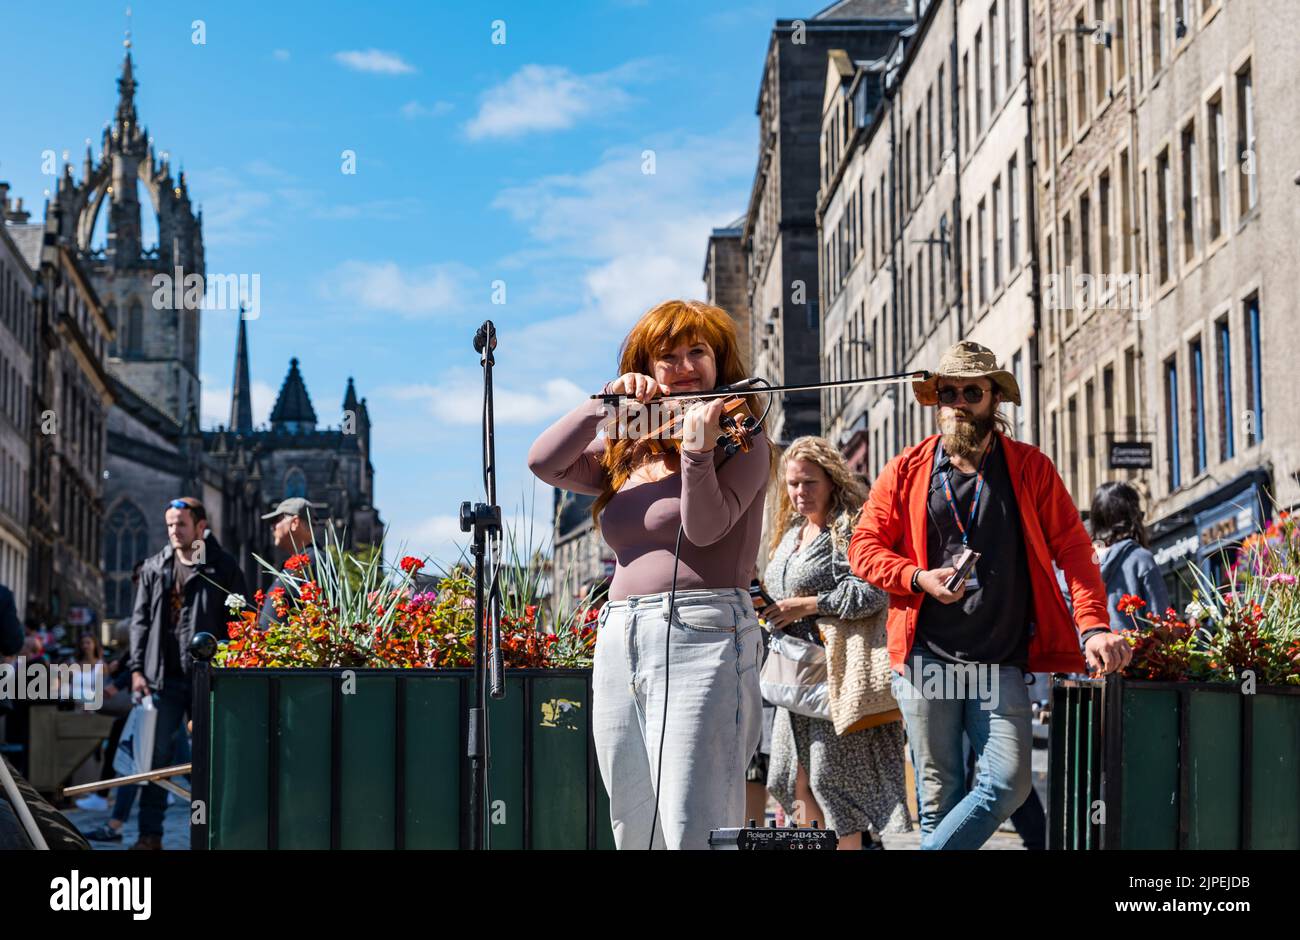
<point>964,529</point>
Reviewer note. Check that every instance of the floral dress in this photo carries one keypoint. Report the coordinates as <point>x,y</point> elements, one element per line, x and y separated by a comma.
<point>857,779</point>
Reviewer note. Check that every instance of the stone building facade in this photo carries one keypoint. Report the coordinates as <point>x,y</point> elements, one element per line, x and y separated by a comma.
<point>1174,201</point>
<point>726,282</point>
<point>923,219</point>
<point>17,341</point>
<point>780,228</point>
<point>1093,344</point>
<point>70,396</point>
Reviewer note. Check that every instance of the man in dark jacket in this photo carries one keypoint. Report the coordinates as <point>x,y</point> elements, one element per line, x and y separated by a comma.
<point>182,592</point>
<point>11,629</point>
<point>292,534</point>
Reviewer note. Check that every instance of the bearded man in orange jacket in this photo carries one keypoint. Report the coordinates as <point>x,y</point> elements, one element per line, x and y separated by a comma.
<point>961,656</point>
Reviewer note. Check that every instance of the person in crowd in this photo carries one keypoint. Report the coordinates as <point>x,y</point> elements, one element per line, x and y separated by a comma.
<point>851,783</point>
<point>974,487</point>
<point>684,520</point>
<point>11,628</point>
<point>1127,566</point>
<point>88,680</point>
<point>36,646</point>
<point>13,640</point>
<point>291,532</point>
<point>182,592</point>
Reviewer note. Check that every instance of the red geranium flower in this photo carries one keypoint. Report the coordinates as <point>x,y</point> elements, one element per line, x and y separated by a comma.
<point>1130,603</point>
<point>410,564</point>
<point>296,562</point>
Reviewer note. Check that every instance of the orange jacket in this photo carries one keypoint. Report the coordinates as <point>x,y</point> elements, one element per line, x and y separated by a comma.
<point>889,544</point>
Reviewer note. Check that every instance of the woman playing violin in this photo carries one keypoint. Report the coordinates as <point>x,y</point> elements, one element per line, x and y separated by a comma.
<point>646,490</point>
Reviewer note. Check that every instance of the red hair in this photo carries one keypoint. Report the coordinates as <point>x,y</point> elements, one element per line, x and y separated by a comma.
<point>664,327</point>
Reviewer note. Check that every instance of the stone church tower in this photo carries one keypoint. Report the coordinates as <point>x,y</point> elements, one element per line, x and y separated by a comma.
<point>157,323</point>
<point>156,450</point>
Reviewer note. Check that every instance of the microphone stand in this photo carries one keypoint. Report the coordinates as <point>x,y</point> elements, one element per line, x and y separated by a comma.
<point>484,520</point>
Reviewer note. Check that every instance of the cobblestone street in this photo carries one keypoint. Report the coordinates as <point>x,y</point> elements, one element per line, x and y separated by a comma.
<point>176,826</point>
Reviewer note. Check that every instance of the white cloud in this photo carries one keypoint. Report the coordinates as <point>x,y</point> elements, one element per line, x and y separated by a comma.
<point>268,170</point>
<point>214,408</point>
<point>322,207</point>
<point>233,213</point>
<point>459,399</point>
<point>437,537</point>
<point>414,109</point>
<point>411,292</point>
<point>546,98</point>
<point>374,60</point>
<point>632,238</point>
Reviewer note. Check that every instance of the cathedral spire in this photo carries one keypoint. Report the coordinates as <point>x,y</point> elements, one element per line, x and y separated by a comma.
<point>241,398</point>
<point>293,411</point>
<point>126,89</point>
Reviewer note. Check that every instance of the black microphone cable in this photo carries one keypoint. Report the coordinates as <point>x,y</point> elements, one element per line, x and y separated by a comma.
<point>668,634</point>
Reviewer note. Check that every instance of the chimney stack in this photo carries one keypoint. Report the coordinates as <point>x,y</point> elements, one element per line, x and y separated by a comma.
<point>11,212</point>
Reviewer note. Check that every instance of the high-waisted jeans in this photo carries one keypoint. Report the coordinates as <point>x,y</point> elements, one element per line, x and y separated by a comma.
<point>714,714</point>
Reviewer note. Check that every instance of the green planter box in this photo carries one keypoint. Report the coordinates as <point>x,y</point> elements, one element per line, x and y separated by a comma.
<point>1173,765</point>
<point>310,759</point>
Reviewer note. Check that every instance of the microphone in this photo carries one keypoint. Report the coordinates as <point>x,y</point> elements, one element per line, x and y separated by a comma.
<point>485,333</point>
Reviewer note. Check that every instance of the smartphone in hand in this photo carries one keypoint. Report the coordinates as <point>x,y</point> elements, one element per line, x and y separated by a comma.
<point>964,564</point>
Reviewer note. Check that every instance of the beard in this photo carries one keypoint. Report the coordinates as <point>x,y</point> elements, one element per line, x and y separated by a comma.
<point>962,436</point>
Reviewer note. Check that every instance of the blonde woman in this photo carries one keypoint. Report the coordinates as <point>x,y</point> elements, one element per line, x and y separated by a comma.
<point>855,782</point>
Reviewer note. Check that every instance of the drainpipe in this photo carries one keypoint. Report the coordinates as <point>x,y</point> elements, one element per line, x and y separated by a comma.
<point>1031,216</point>
<point>895,297</point>
<point>1138,243</point>
<point>959,296</point>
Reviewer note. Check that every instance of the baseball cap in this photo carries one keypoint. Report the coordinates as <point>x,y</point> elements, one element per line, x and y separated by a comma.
<point>293,506</point>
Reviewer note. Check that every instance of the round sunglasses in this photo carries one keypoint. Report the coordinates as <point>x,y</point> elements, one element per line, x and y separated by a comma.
<point>971,394</point>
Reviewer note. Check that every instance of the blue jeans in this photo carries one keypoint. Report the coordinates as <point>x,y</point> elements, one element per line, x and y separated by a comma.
<point>714,714</point>
<point>990,704</point>
<point>173,704</point>
<point>125,798</point>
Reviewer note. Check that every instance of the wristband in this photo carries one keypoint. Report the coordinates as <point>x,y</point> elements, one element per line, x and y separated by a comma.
<point>916,589</point>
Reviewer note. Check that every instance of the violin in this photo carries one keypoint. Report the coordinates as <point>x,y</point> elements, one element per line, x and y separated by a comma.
<point>633,419</point>
<point>737,421</point>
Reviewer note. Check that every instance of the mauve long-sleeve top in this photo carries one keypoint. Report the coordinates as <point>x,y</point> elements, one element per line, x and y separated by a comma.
<point>720,503</point>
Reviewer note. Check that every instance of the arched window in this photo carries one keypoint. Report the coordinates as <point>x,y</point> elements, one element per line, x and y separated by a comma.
<point>295,484</point>
<point>126,541</point>
<point>116,349</point>
<point>135,330</point>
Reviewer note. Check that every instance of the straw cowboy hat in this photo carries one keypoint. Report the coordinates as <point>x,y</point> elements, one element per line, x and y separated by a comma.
<point>967,360</point>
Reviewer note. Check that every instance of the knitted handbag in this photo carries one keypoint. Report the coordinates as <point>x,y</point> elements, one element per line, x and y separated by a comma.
<point>858,674</point>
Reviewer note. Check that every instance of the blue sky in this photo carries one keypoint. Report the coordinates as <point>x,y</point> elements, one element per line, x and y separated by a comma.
<point>475,162</point>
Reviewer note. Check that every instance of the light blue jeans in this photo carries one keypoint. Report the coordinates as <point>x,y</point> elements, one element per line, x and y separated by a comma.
<point>939,702</point>
<point>714,714</point>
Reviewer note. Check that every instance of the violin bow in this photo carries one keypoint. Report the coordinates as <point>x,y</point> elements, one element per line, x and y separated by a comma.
<point>748,387</point>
